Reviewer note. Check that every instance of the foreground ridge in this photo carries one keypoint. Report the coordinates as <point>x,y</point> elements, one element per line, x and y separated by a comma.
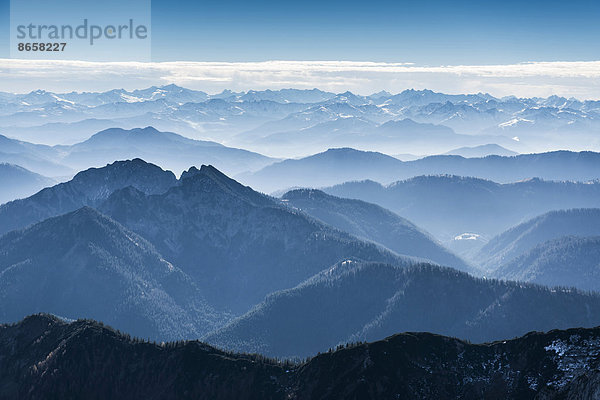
<point>85,359</point>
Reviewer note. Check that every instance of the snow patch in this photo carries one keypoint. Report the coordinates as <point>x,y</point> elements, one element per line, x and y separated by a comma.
<point>573,357</point>
<point>515,121</point>
<point>467,236</point>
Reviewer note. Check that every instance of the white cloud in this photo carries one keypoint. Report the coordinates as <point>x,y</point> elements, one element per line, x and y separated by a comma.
<point>578,79</point>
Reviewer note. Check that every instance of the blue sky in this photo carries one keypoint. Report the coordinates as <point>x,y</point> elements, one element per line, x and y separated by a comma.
<point>423,32</point>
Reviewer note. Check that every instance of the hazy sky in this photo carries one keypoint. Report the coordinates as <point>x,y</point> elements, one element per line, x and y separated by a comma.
<point>431,34</point>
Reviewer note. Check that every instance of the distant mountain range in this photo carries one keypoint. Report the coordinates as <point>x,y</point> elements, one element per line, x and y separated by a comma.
<point>568,261</point>
<point>353,301</point>
<point>371,222</point>
<point>334,166</point>
<point>481,151</point>
<point>411,121</point>
<point>167,149</point>
<point>355,130</point>
<point>18,182</point>
<point>337,166</point>
<point>559,248</point>
<point>553,225</point>
<point>553,365</point>
<point>36,158</point>
<point>448,206</point>
<point>329,168</point>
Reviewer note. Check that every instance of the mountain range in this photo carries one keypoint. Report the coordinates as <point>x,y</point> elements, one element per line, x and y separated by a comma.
<point>238,245</point>
<point>449,206</point>
<point>85,359</point>
<point>17,182</point>
<point>371,222</point>
<point>36,158</point>
<point>246,118</point>
<point>569,261</point>
<point>87,188</point>
<point>354,130</point>
<point>218,255</point>
<point>336,166</point>
<point>492,232</point>
<point>355,301</point>
<point>482,151</point>
<point>169,150</point>
<point>84,264</point>
<point>552,225</point>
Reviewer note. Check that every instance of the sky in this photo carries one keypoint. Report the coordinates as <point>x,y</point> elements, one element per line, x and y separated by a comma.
<point>435,32</point>
<point>453,46</point>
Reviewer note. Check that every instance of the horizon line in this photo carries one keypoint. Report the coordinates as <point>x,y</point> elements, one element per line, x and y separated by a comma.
<point>528,79</point>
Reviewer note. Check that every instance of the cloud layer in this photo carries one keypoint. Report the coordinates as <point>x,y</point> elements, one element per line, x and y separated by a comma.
<point>577,79</point>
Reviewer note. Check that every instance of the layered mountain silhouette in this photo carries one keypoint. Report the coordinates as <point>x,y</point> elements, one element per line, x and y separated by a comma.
<point>539,124</point>
<point>17,182</point>
<point>18,147</point>
<point>169,150</point>
<point>484,150</point>
<point>354,301</point>
<point>83,264</point>
<point>228,247</point>
<point>87,188</point>
<point>569,261</point>
<point>354,129</point>
<point>36,158</point>
<point>204,256</point>
<point>553,225</point>
<point>553,165</point>
<point>323,169</point>
<point>448,206</point>
<point>371,222</point>
<point>85,359</point>
<point>337,166</point>
<point>238,245</point>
